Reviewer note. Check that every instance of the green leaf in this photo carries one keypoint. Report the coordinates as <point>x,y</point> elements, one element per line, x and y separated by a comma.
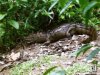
<point>14,24</point>
<point>86,48</point>
<point>2,31</point>
<point>77,1</point>
<point>49,70</point>
<point>87,11</point>
<point>89,6</point>
<point>36,14</point>
<point>83,4</point>
<point>2,16</point>
<point>62,3</point>
<point>47,14</point>
<point>87,17</point>
<point>95,62</point>
<point>93,54</point>
<point>53,4</point>
<point>67,5</point>
<point>25,0</point>
<point>83,49</point>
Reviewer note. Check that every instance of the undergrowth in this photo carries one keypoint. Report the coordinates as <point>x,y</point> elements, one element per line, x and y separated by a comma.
<point>18,18</point>
<point>27,67</point>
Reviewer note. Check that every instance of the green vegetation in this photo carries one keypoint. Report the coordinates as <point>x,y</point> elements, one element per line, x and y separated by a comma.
<point>20,17</point>
<point>80,68</point>
<point>23,69</point>
<point>72,70</point>
<point>26,67</point>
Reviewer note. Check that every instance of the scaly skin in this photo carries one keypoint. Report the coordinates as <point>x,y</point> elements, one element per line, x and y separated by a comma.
<point>64,31</point>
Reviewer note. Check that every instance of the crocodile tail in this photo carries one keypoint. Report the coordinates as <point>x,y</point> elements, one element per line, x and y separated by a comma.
<point>92,32</point>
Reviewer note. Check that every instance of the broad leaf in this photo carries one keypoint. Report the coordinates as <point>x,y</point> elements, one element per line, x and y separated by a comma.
<point>14,24</point>
<point>83,49</point>
<point>49,70</point>
<point>93,54</point>
<point>2,16</point>
<point>87,11</point>
<point>67,5</point>
<point>87,17</point>
<point>83,4</point>
<point>89,6</point>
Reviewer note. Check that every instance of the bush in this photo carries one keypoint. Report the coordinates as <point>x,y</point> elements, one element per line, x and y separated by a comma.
<point>20,17</point>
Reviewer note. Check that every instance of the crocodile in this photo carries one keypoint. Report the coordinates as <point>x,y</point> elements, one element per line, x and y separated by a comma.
<point>63,31</point>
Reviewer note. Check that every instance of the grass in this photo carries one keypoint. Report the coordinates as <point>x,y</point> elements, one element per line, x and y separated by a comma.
<point>26,67</point>
<point>23,69</point>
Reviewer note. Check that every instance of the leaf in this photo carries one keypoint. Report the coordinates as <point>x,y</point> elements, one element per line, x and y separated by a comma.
<point>87,11</point>
<point>25,0</point>
<point>44,1</point>
<point>53,4</point>
<point>67,5</point>
<point>94,62</point>
<point>86,48</point>
<point>47,14</point>
<point>14,23</point>
<point>62,3</point>
<point>77,1</point>
<point>93,54</point>
<point>36,14</point>
<point>89,6</point>
<point>83,4</point>
<point>83,49</point>
<point>2,16</point>
<point>49,70</point>
<point>27,25</point>
<point>2,31</point>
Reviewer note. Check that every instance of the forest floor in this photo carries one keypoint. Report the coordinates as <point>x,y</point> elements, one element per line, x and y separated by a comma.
<point>36,58</point>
